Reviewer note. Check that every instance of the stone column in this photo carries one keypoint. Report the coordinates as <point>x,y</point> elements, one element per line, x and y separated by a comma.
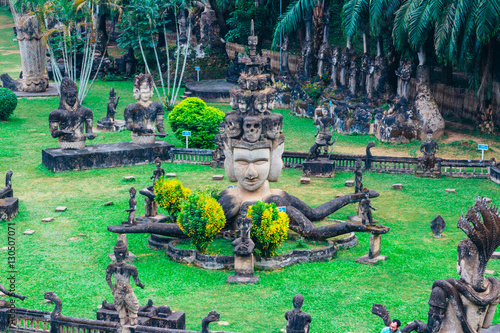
<point>33,54</point>
<point>373,255</point>
<point>243,270</point>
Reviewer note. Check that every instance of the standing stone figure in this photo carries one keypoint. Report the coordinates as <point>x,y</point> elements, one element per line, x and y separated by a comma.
<point>126,302</point>
<point>71,123</point>
<point>297,321</point>
<point>129,63</point>
<point>244,244</point>
<point>150,205</point>
<point>284,68</point>
<point>109,120</point>
<point>404,75</point>
<point>365,208</point>
<point>344,67</point>
<point>467,305</point>
<point>429,148</point>
<point>370,77</point>
<point>363,72</point>
<point>380,75</point>
<point>306,59</point>
<point>324,134</point>
<point>132,206</point>
<point>159,171</point>
<point>358,177</point>
<point>140,117</point>
<point>353,76</point>
<point>334,60</point>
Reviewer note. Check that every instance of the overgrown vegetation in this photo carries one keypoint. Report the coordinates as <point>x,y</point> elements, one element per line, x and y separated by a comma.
<point>8,103</point>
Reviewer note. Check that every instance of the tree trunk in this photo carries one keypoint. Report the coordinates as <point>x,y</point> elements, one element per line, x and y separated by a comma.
<point>220,17</point>
<point>366,40</point>
<point>447,74</point>
<point>380,46</point>
<point>485,118</point>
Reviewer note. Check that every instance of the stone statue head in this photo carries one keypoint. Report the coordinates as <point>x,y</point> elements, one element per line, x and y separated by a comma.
<point>112,96</point>
<point>8,179</point>
<point>262,82</point>
<point>260,103</point>
<point>481,224</point>
<point>243,105</point>
<point>132,192</point>
<point>273,126</point>
<point>143,87</point>
<point>358,163</point>
<point>270,101</point>
<point>121,251</point>
<point>69,94</point>
<point>252,128</point>
<point>233,124</point>
<point>233,101</point>
<point>157,162</point>
<point>298,300</point>
<point>252,83</point>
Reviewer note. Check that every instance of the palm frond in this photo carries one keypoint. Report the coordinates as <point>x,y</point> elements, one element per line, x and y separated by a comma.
<point>419,24</point>
<point>487,19</point>
<point>400,30</point>
<point>352,15</point>
<point>292,18</point>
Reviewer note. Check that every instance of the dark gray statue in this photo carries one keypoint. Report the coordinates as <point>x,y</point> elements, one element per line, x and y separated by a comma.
<point>297,320</point>
<point>71,123</point>
<point>365,208</point>
<point>113,100</point>
<point>466,305</point>
<point>244,245</point>
<point>132,204</point>
<point>429,148</point>
<point>7,192</point>
<point>358,177</point>
<point>437,226</point>
<point>159,171</point>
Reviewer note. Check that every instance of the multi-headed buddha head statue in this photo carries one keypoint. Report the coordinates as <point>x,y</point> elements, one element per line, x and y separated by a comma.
<point>143,87</point>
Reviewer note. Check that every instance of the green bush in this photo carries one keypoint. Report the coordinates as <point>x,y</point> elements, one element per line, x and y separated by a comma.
<point>201,218</point>
<point>269,227</point>
<point>8,103</point>
<point>169,195</point>
<point>192,114</point>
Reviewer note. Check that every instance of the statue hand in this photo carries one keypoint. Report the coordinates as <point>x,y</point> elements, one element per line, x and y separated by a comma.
<point>141,285</point>
<point>91,136</point>
<point>161,134</point>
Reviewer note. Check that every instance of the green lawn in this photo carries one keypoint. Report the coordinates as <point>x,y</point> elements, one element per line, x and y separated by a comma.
<point>69,255</point>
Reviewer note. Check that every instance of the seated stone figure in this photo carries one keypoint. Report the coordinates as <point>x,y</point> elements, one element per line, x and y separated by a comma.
<point>466,305</point>
<point>140,117</point>
<point>297,321</point>
<point>429,148</point>
<point>71,123</point>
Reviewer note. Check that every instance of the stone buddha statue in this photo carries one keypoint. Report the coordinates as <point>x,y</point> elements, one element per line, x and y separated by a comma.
<point>71,123</point>
<point>140,117</point>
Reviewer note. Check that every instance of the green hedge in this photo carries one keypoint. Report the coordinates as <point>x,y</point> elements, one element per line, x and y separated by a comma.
<point>8,103</point>
<point>192,114</point>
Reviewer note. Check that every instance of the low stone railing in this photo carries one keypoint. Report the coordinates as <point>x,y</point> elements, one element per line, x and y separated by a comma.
<point>387,164</point>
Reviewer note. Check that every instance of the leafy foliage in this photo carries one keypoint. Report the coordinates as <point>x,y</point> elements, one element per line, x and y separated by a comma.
<point>192,114</point>
<point>269,227</point>
<point>8,103</point>
<point>201,218</point>
<point>169,195</point>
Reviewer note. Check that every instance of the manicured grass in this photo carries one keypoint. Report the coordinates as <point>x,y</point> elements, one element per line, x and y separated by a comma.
<point>69,255</point>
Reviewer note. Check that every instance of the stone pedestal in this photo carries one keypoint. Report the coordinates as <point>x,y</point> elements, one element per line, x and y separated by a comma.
<point>104,156</point>
<point>319,168</point>
<point>243,270</point>
<point>9,207</point>
<point>373,255</point>
<point>151,317</point>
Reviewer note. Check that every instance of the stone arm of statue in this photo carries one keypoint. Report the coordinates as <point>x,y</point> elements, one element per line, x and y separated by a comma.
<point>438,303</point>
<point>55,132</point>
<point>116,103</point>
<point>8,293</point>
<point>109,274</point>
<point>88,129</point>
<point>135,276</point>
<point>165,229</point>
<point>489,315</point>
<point>159,124</point>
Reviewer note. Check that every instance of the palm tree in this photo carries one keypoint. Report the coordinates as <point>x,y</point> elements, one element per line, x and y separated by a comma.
<point>470,27</point>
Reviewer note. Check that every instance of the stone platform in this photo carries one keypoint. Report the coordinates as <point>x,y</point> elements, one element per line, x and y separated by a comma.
<point>210,90</point>
<point>104,156</point>
<point>319,168</point>
<point>9,207</point>
<point>51,91</point>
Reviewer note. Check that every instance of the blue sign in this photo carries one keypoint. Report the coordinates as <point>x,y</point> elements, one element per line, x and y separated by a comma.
<point>186,133</point>
<point>482,147</point>
<point>197,68</point>
<point>282,209</point>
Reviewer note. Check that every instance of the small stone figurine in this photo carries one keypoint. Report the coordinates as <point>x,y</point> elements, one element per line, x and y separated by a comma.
<point>159,171</point>
<point>132,204</point>
<point>365,208</point>
<point>109,120</point>
<point>358,177</point>
<point>7,190</point>
<point>429,148</point>
<point>297,320</point>
<point>126,302</point>
<point>244,244</point>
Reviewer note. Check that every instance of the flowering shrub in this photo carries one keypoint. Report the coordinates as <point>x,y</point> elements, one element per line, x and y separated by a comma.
<point>269,227</point>
<point>169,195</point>
<point>201,218</point>
<point>313,90</point>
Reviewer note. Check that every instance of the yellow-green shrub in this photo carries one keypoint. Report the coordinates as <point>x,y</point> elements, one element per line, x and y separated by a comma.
<point>169,195</point>
<point>269,227</point>
<point>201,217</point>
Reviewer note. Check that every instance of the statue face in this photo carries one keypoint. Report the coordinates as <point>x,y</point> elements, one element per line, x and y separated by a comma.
<point>137,93</point>
<point>260,104</point>
<point>252,128</point>
<point>273,127</point>
<point>146,92</point>
<point>468,264</point>
<point>253,84</point>
<point>251,167</point>
<point>120,256</point>
<point>233,126</point>
<point>233,102</point>
<point>242,104</point>
<point>270,102</point>
<point>71,97</point>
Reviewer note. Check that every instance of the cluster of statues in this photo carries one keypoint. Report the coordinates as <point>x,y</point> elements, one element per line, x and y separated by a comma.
<point>72,123</point>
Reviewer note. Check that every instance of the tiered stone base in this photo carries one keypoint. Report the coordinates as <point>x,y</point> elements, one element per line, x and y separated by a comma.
<point>143,139</point>
<point>104,156</point>
<point>71,145</point>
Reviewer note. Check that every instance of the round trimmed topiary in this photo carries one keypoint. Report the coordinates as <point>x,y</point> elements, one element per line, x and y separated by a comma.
<point>8,103</point>
<point>193,114</point>
<point>169,195</point>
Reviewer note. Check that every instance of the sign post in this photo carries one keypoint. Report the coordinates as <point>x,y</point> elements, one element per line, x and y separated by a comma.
<point>197,68</point>
<point>482,148</point>
<point>187,134</point>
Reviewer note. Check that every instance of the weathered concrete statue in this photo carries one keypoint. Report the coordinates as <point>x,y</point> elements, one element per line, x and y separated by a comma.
<point>353,76</point>
<point>358,177</point>
<point>6,192</point>
<point>140,117</point>
<point>429,148</point>
<point>71,123</point>
<point>365,208</point>
<point>109,120</point>
<point>244,244</point>
<point>334,61</point>
<point>284,68</point>
<point>297,321</point>
<point>466,305</point>
<point>150,205</point>
<point>344,67</point>
<point>324,133</point>
<point>126,302</point>
<point>132,206</point>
